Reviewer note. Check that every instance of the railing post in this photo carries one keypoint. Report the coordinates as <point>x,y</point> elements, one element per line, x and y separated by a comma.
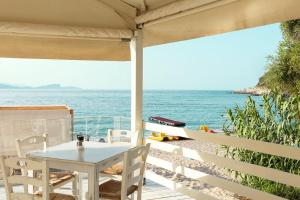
<point>72,123</point>
<point>136,49</point>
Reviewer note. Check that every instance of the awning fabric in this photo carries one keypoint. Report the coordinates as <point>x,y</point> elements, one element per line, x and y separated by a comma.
<point>101,29</point>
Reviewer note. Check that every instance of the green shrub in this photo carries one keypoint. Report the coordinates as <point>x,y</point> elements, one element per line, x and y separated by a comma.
<point>283,68</point>
<point>276,121</point>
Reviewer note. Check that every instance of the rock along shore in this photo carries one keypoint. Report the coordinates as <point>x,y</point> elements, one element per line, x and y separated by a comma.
<point>257,91</point>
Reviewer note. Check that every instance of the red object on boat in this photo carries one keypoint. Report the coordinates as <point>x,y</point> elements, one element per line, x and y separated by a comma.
<point>211,131</point>
<point>166,121</point>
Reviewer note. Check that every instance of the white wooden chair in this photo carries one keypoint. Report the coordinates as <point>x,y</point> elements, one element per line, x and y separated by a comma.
<point>114,136</point>
<point>132,176</point>
<point>56,178</point>
<point>41,182</point>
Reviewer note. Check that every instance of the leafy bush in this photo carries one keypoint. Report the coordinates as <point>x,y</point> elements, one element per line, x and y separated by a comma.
<point>283,69</point>
<point>278,121</point>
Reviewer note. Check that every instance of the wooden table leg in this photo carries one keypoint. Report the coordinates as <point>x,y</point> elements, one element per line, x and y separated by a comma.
<point>93,184</point>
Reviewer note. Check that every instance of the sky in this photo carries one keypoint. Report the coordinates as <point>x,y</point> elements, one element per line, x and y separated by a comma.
<point>227,61</point>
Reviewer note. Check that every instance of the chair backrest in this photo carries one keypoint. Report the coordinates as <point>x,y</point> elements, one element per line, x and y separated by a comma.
<point>9,164</point>
<point>134,168</point>
<point>37,142</point>
<point>118,136</point>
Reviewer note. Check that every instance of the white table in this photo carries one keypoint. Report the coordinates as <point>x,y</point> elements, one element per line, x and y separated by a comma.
<point>94,158</point>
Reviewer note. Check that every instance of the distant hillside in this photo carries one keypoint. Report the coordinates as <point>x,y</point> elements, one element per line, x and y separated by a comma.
<point>44,87</point>
<point>8,86</point>
<point>57,86</point>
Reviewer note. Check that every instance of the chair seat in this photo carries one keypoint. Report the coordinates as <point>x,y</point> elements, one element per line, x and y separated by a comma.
<point>112,190</point>
<point>57,178</point>
<point>56,196</point>
<point>116,169</point>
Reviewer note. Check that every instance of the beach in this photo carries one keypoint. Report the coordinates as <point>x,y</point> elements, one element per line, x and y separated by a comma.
<point>207,168</point>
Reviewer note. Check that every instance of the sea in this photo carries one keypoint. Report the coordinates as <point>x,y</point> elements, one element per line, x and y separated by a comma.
<point>97,110</point>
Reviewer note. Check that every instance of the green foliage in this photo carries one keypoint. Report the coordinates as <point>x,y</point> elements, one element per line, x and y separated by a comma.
<point>291,29</point>
<point>278,121</point>
<point>283,69</point>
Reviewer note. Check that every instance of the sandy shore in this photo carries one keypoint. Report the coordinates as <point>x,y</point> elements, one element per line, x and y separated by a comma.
<point>197,165</point>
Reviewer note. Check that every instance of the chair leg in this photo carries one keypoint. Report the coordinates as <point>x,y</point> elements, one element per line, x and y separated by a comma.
<point>139,194</point>
<point>80,195</point>
<point>34,188</point>
<point>51,188</point>
<point>75,190</point>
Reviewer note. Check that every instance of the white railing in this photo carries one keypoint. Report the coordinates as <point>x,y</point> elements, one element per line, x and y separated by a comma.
<point>228,163</point>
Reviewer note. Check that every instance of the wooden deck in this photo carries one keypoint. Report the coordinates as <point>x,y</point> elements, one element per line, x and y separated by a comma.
<point>151,191</point>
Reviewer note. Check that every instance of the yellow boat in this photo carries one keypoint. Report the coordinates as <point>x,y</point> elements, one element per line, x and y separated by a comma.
<point>160,137</point>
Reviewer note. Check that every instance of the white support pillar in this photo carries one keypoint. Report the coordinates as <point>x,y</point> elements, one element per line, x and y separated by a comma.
<point>136,49</point>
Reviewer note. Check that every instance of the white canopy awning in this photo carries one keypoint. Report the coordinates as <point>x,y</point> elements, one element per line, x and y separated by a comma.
<point>102,29</point>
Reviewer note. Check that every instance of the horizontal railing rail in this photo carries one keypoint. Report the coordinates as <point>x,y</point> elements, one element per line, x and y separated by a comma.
<point>253,145</point>
<point>222,162</point>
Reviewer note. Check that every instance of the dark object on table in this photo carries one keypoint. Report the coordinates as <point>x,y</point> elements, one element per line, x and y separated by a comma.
<point>165,121</point>
<point>102,140</point>
<point>80,139</point>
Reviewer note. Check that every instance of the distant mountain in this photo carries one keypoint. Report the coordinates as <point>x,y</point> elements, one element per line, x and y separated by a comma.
<point>57,86</point>
<point>44,87</point>
<point>8,86</point>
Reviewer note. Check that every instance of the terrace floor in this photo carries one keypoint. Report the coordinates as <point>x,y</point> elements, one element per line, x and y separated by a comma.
<point>151,191</point>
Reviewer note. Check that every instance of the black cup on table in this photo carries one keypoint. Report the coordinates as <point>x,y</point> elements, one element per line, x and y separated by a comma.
<point>80,139</point>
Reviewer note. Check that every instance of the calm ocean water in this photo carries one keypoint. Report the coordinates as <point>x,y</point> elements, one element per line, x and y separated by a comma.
<point>193,107</point>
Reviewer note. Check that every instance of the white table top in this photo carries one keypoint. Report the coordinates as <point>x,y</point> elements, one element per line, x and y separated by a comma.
<point>93,153</point>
